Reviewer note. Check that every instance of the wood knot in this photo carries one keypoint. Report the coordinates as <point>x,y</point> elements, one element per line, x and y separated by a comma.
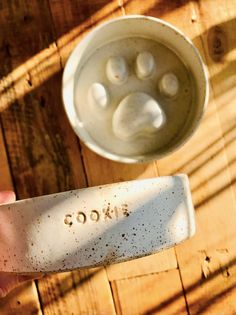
<point>42,101</point>
<point>217,43</point>
<point>27,19</point>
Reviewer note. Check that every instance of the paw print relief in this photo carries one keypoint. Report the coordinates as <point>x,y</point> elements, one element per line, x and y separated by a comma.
<point>131,96</point>
<point>138,113</point>
<point>169,85</point>
<point>145,65</point>
<point>116,70</point>
<point>98,96</point>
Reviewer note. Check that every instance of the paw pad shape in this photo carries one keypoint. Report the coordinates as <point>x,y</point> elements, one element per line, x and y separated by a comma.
<point>137,113</point>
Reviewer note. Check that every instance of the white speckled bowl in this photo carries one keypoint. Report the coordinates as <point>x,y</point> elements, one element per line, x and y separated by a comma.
<point>95,226</point>
<point>149,27</point>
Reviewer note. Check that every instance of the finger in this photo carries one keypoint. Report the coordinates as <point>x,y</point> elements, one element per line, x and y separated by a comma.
<point>7,196</point>
<point>8,282</point>
<point>23,278</point>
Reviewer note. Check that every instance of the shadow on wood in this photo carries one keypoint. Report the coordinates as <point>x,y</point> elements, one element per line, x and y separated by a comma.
<point>201,306</point>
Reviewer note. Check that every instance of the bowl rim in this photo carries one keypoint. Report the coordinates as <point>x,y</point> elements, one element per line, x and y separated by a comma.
<point>84,136</point>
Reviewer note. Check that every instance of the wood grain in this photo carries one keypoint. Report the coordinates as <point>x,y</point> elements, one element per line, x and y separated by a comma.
<point>88,293</point>
<point>24,299</point>
<point>162,261</point>
<point>150,294</point>
<point>5,176</point>
<point>219,43</point>
<point>80,292</point>
<point>42,148</point>
<point>99,170</point>
<point>35,40</point>
<point>207,262</point>
<point>74,19</point>
<point>149,264</point>
<point>26,45</point>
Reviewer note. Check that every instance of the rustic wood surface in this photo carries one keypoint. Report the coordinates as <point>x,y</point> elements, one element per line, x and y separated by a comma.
<point>40,154</point>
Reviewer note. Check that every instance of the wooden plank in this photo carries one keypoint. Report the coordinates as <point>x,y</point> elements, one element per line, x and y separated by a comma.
<point>206,143</point>
<point>39,139</point>
<point>127,303</point>
<point>176,12</point>
<point>218,37</point>
<point>5,175</point>
<point>81,292</point>
<point>99,170</point>
<point>211,124</point>
<point>85,291</point>
<point>43,150</point>
<point>207,262</point>
<point>219,41</point>
<point>22,300</point>
<point>27,48</point>
<point>74,19</point>
<point>150,294</point>
<point>156,263</point>
<point>39,147</point>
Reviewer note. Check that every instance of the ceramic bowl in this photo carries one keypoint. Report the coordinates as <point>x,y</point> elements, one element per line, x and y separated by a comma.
<point>141,26</point>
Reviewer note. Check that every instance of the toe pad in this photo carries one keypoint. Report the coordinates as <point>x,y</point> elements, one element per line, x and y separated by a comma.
<point>137,114</point>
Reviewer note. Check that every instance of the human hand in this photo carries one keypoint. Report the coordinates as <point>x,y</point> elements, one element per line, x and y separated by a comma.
<point>10,281</point>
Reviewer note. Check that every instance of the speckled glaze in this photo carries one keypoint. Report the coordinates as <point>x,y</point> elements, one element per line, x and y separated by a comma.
<point>95,226</point>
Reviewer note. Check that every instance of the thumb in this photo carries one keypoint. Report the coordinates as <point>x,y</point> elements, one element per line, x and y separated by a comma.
<point>8,282</point>
<point>7,196</point>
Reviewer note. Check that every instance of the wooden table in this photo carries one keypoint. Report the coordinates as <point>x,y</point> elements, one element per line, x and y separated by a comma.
<point>40,154</point>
